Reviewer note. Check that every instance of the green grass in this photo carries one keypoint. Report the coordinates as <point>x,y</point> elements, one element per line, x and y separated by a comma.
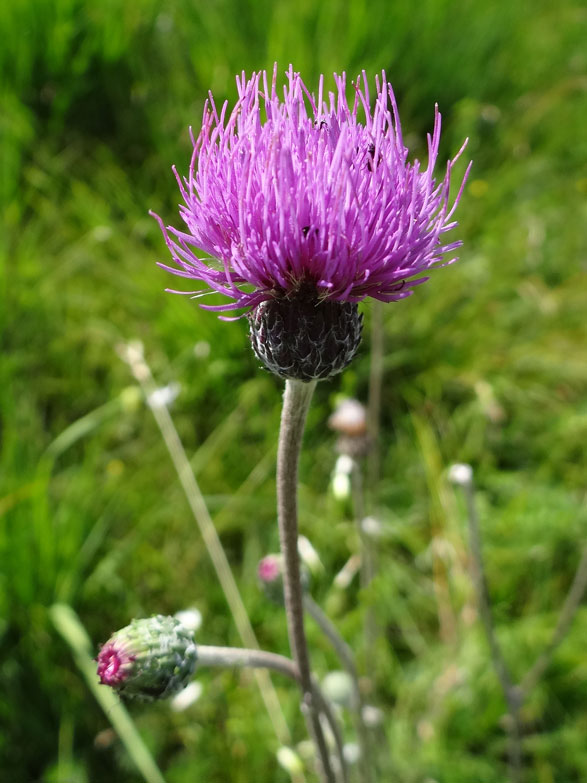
<point>485,364</point>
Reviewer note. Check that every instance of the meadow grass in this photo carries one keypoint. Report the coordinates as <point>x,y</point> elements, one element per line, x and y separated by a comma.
<point>485,364</point>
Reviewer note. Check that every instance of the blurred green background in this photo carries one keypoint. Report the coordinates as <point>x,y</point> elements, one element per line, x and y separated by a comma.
<point>485,364</point>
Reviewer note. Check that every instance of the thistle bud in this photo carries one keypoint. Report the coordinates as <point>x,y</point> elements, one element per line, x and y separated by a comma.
<point>350,421</point>
<point>337,686</point>
<point>349,418</point>
<point>460,474</point>
<point>151,658</point>
<point>270,573</point>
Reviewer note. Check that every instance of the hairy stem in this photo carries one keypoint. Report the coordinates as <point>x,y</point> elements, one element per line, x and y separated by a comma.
<point>237,657</point>
<point>296,401</point>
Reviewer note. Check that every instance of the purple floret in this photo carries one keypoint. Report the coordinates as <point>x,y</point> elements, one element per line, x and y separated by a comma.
<point>288,192</point>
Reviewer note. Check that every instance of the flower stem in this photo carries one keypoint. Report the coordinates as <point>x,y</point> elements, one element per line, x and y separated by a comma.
<point>296,401</point>
<point>237,657</point>
<point>367,558</point>
<point>346,658</point>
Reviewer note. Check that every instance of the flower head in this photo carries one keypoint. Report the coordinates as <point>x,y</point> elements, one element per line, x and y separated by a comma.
<point>151,658</point>
<point>309,199</point>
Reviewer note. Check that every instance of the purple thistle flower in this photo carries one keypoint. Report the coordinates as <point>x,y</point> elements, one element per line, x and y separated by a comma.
<point>309,198</point>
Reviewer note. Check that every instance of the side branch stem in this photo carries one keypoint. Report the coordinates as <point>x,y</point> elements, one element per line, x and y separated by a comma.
<point>347,659</point>
<point>239,658</point>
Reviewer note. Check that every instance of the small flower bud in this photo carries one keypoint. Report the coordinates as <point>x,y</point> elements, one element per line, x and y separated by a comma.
<point>131,399</point>
<point>184,699</point>
<point>351,752</point>
<point>164,395</point>
<point>190,618</point>
<point>372,716</point>
<point>372,527</point>
<point>308,555</point>
<point>350,421</point>
<point>338,688</point>
<point>270,576</point>
<point>270,573</point>
<point>349,418</point>
<point>341,477</point>
<point>460,474</point>
<point>151,658</point>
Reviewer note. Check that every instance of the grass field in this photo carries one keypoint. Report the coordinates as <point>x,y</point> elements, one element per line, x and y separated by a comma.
<point>486,364</point>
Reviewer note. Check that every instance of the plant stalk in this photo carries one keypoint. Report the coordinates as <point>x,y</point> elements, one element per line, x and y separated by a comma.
<point>347,660</point>
<point>296,401</point>
<point>237,657</point>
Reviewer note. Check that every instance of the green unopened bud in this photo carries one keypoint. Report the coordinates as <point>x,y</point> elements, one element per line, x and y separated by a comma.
<point>152,658</point>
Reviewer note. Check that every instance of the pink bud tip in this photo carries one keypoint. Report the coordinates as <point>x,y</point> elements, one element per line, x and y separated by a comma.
<point>113,664</point>
<point>269,568</point>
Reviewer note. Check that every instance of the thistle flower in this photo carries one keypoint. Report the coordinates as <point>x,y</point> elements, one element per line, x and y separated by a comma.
<point>304,206</point>
<point>151,658</point>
